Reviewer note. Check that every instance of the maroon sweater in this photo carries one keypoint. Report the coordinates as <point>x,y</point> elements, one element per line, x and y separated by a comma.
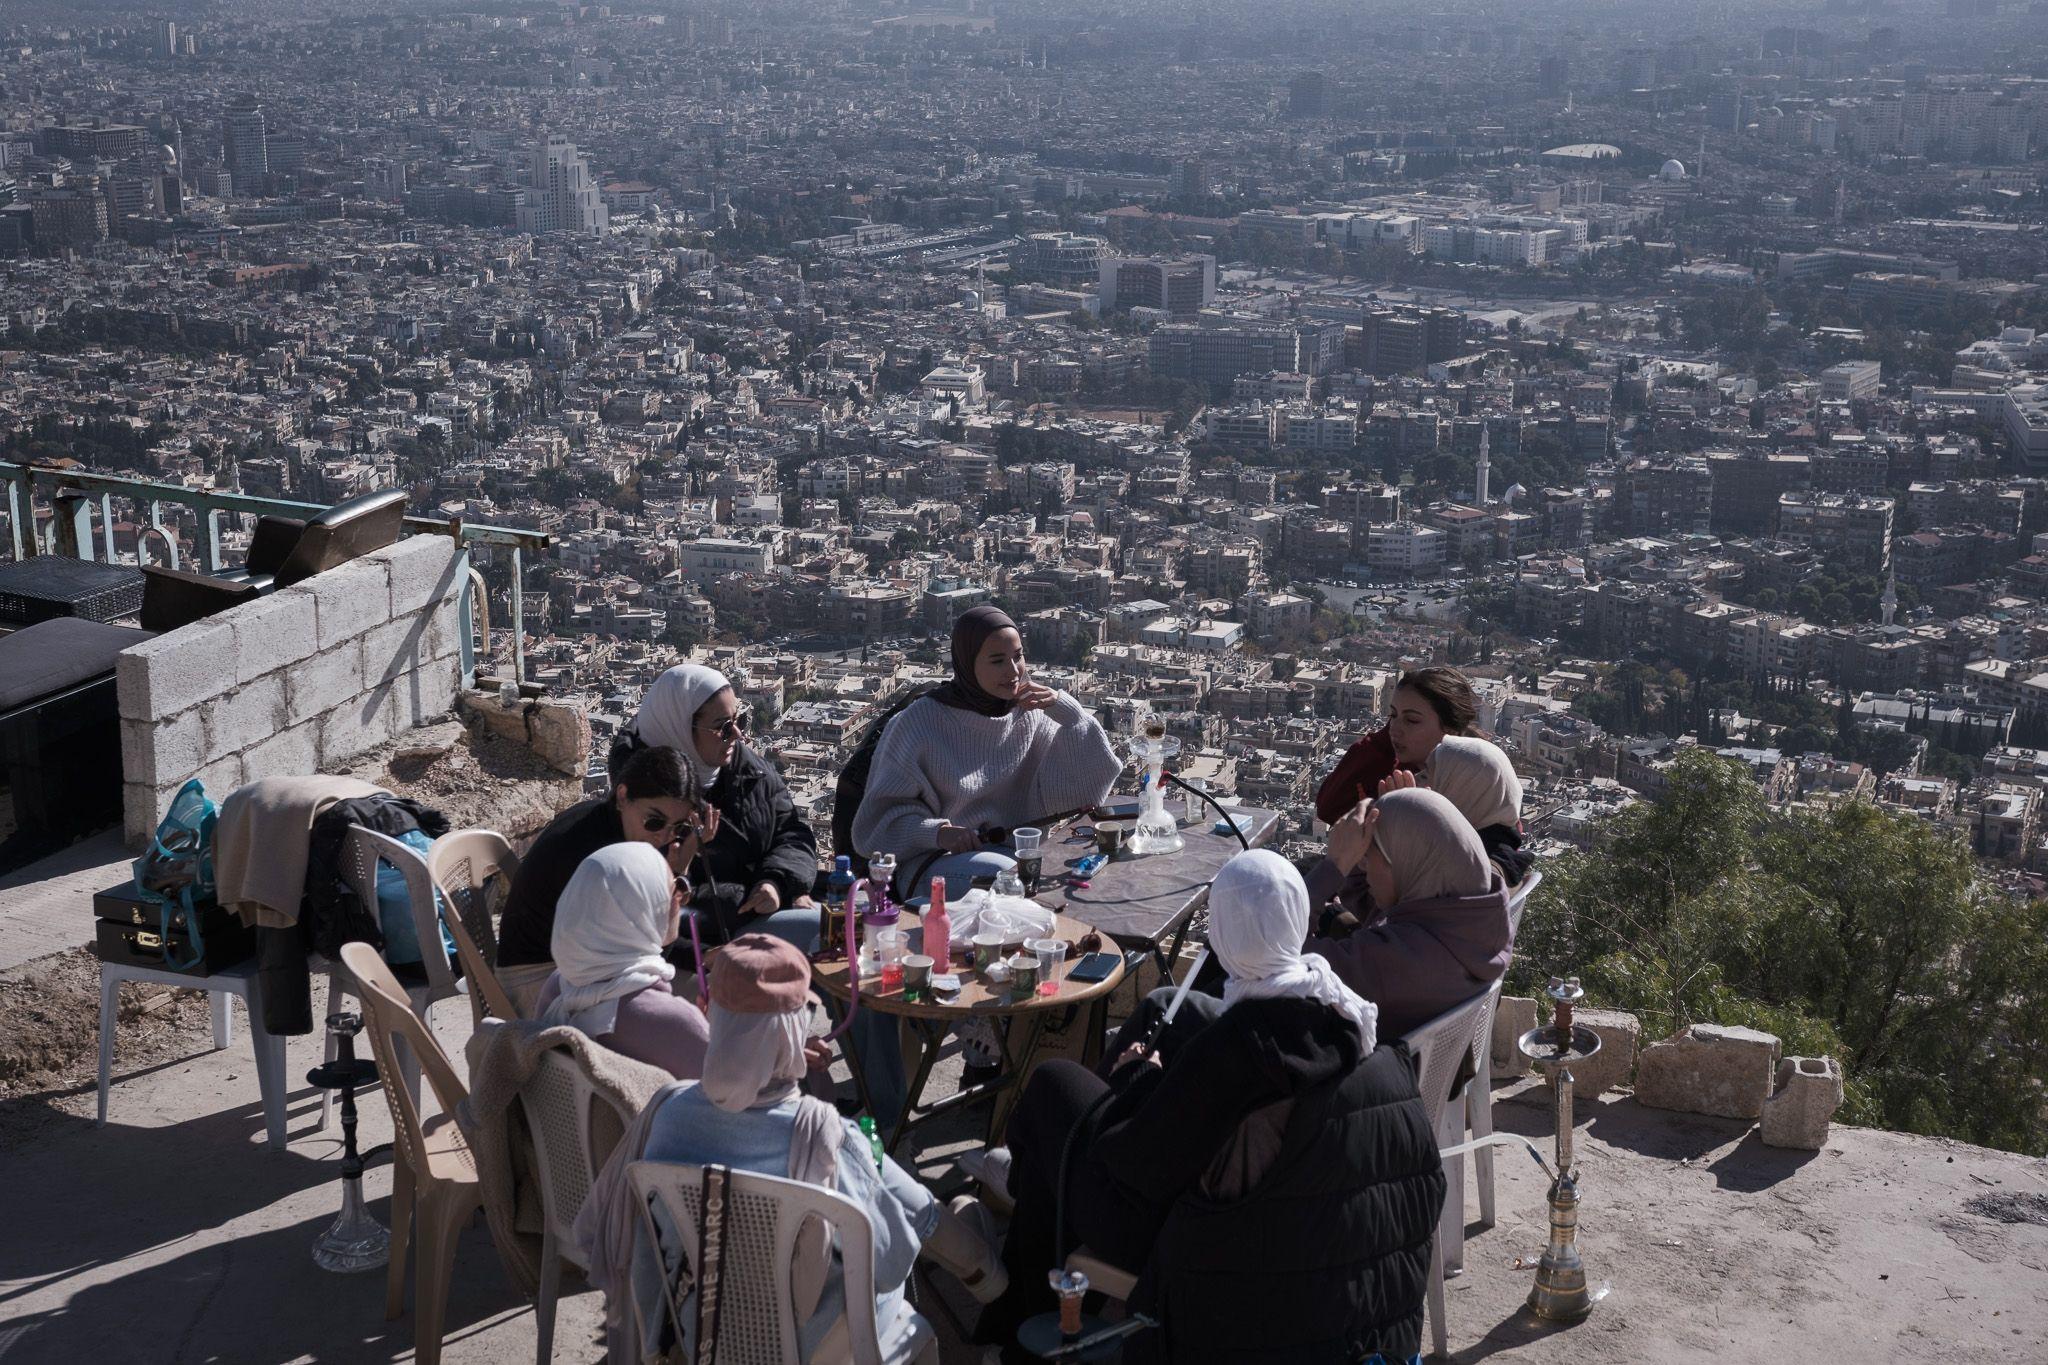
<point>1357,775</point>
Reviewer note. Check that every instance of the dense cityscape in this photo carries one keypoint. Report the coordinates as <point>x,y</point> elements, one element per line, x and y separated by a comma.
<point>1676,375</point>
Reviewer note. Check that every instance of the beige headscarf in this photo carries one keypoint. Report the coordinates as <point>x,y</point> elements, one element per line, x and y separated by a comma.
<point>1433,849</point>
<point>1476,776</point>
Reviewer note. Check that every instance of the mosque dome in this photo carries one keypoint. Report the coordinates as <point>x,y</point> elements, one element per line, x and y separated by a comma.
<point>1673,170</point>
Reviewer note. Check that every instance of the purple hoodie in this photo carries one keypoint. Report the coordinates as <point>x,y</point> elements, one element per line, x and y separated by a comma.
<point>1422,957</point>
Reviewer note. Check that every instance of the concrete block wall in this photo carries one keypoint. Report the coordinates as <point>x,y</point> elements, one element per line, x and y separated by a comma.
<point>296,682</point>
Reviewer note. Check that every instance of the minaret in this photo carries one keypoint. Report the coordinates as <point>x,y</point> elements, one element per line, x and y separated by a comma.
<point>1889,603</point>
<point>1479,475</point>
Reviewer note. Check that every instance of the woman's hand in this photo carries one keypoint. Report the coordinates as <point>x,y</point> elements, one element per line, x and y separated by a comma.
<point>1033,696</point>
<point>682,852</point>
<point>817,1054</point>
<point>1398,780</point>
<point>764,900</point>
<point>1351,836</point>
<point>958,839</point>
<point>1136,1053</point>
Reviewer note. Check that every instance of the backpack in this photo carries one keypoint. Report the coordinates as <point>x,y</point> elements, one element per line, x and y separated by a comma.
<point>176,874</point>
<point>853,784</point>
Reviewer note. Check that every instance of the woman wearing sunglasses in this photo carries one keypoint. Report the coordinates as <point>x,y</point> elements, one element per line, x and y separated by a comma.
<point>754,874</point>
<point>655,799</point>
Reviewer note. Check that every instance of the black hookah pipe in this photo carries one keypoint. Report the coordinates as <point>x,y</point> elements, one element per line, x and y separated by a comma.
<point>1072,1349</point>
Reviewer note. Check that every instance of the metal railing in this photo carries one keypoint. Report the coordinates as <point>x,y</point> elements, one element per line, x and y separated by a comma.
<point>75,496</point>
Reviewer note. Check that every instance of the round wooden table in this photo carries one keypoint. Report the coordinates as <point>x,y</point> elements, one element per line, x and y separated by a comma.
<point>931,1019</point>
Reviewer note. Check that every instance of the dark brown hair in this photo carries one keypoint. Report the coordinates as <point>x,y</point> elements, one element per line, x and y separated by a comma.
<point>1449,694</point>
<point>657,773</point>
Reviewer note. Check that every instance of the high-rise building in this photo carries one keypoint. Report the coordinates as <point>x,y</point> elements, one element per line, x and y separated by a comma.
<point>1066,258</point>
<point>384,178</point>
<point>285,153</point>
<point>244,144</point>
<point>1190,180</point>
<point>561,196</point>
<point>1308,95</point>
<point>166,39</point>
<point>1183,285</point>
<point>96,141</point>
<point>75,215</point>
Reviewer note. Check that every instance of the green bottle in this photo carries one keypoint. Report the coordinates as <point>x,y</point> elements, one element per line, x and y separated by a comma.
<point>867,1126</point>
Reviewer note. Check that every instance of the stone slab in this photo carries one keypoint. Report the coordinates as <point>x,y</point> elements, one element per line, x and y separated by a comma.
<point>1709,1069</point>
<point>1798,1113</point>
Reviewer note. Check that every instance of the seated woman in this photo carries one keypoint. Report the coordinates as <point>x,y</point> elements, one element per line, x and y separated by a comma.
<point>654,800</point>
<point>1477,777</point>
<point>1429,703</point>
<point>976,757</point>
<point>616,915</point>
<point>749,1113</point>
<point>1177,1177</point>
<point>755,874</point>
<point>1436,930</point>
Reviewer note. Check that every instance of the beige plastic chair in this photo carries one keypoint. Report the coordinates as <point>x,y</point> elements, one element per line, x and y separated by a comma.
<point>433,1175</point>
<point>574,1129</point>
<point>757,1323</point>
<point>463,866</point>
<point>360,854</point>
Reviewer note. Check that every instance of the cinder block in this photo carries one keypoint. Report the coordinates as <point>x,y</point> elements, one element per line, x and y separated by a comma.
<point>427,693</point>
<point>289,753</point>
<point>1709,1069</point>
<point>174,672</point>
<point>219,777</point>
<point>138,814</point>
<point>396,648</point>
<point>1808,1094</point>
<point>168,752</point>
<point>247,715</point>
<point>330,678</point>
<point>350,599</point>
<point>272,631</point>
<point>1514,1016</point>
<point>423,569</point>
<point>1611,1066</point>
<point>360,725</point>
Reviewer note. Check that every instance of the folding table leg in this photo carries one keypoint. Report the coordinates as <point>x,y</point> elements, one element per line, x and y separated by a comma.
<point>110,990</point>
<point>1017,1059</point>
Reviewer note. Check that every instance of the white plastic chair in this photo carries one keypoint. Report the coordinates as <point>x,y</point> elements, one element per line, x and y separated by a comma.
<point>462,866</point>
<point>562,1110</point>
<point>360,854</point>
<point>1479,1094</point>
<point>757,1323</point>
<point>1439,1046</point>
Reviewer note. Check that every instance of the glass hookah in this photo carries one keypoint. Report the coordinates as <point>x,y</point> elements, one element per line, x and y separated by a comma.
<point>1156,830</point>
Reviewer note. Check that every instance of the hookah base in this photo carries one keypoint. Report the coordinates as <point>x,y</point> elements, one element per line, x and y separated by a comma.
<point>354,1241</point>
<point>1560,1293</point>
<point>1143,843</point>
<point>1041,1336</point>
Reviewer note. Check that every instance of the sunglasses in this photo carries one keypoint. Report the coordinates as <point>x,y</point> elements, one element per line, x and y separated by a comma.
<point>734,724</point>
<point>655,823</point>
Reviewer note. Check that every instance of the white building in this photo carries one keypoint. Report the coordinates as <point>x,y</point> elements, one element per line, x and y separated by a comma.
<point>561,195</point>
<point>708,558</point>
<point>965,382</point>
<point>1405,549</point>
<point>2026,424</point>
<point>1849,380</point>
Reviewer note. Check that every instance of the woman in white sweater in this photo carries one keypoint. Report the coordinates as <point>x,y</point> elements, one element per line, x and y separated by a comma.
<point>975,758</point>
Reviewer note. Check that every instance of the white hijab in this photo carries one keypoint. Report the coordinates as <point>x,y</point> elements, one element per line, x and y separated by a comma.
<point>668,714</point>
<point>1477,777</point>
<point>606,942</point>
<point>1258,921</point>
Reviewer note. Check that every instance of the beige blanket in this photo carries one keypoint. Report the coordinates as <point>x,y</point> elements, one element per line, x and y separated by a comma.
<point>502,1058</point>
<point>259,844</point>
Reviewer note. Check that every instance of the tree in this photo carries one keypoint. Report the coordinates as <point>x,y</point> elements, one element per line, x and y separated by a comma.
<point>1843,929</point>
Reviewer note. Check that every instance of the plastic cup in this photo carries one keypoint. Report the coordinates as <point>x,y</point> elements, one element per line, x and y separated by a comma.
<point>987,949</point>
<point>891,947</point>
<point>1048,953</point>
<point>1027,842</point>
<point>917,976</point>
<point>1109,837</point>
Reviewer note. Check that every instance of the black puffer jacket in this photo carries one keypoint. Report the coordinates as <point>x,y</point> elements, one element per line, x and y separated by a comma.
<point>1327,1258</point>
<point>761,838</point>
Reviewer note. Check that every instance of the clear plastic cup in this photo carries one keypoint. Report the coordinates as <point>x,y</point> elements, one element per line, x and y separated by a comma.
<point>891,947</point>
<point>1030,863</point>
<point>1049,953</point>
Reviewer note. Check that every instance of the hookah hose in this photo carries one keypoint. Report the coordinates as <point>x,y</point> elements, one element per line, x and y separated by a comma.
<point>1059,1204</point>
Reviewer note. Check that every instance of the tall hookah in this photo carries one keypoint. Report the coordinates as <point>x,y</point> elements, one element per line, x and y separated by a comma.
<point>1156,830</point>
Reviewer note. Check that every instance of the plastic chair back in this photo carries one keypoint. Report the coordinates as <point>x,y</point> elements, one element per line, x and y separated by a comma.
<point>387,1016</point>
<point>757,1322</point>
<point>1519,901</point>
<point>466,866</point>
<point>1441,1044</point>
<point>364,849</point>
<point>574,1130</point>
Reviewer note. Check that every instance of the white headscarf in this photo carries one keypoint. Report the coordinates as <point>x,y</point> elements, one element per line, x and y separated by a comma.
<point>606,943</point>
<point>1258,920</point>
<point>1476,776</point>
<point>668,714</point>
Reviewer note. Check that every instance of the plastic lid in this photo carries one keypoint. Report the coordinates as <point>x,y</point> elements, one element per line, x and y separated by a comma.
<point>843,863</point>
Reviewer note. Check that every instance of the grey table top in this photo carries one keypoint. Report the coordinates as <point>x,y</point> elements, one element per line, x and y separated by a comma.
<point>1139,902</point>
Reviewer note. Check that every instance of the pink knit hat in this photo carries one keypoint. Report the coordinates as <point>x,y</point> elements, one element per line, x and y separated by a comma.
<point>760,974</point>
